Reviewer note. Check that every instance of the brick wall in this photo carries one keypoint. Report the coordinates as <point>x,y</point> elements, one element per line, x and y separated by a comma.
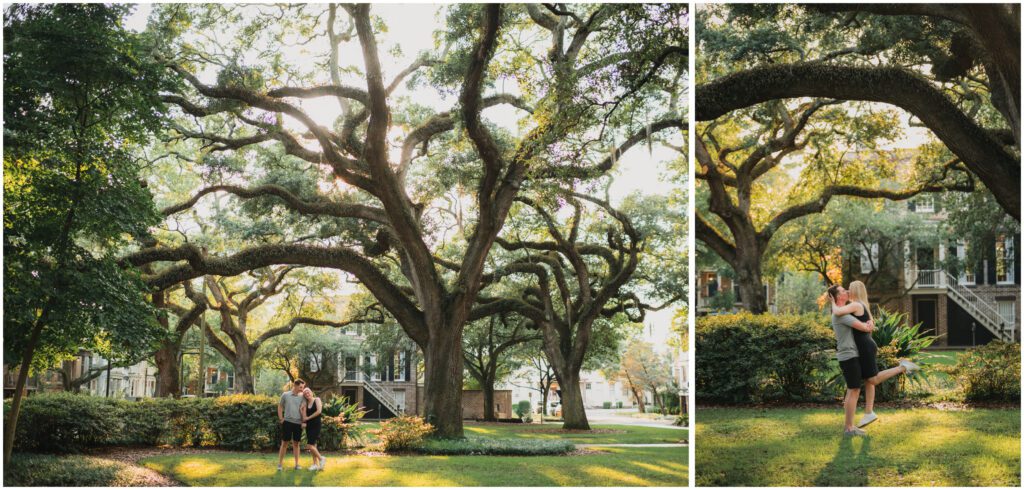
<point>473,404</point>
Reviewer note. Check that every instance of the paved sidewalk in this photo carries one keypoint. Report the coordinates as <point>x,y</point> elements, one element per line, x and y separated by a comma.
<point>609,416</point>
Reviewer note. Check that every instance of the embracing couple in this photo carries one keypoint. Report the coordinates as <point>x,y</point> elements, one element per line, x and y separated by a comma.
<point>857,353</point>
<point>300,409</point>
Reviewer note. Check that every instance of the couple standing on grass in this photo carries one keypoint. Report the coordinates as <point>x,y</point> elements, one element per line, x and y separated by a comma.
<point>300,409</point>
<point>857,353</point>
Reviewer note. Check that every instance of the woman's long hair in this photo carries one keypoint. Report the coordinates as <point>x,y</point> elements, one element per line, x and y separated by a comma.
<point>859,292</point>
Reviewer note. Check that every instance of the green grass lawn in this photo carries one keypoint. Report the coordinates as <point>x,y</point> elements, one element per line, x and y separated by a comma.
<point>610,467</point>
<point>943,357</point>
<point>906,447</point>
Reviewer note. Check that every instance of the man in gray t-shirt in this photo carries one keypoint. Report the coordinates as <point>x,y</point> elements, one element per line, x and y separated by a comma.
<point>846,353</point>
<point>289,415</point>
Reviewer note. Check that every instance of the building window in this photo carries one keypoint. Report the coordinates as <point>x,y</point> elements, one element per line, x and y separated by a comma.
<point>1004,260</point>
<point>966,272</point>
<point>868,258</point>
<point>402,360</point>
<point>1008,310</point>
<point>316,360</point>
<point>212,376</point>
<point>231,380</point>
<point>925,204</point>
<point>589,386</point>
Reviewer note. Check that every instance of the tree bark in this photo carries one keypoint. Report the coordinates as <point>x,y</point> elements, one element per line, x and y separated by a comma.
<point>244,382</point>
<point>574,414</point>
<point>488,389</point>
<point>442,397</point>
<point>167,371</point>
<point>10,427</point>
<point>748,276</point>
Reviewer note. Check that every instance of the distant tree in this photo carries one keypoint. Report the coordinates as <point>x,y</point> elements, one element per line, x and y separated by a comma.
<point>643,369</point>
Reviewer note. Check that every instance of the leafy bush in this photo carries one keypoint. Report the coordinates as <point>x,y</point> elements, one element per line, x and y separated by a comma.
<point>746,357</point>
<point>402,432</point>
<point>69,423</point>
<point>989,372</point>
<point>606,405</point>
<point>66,422</point>
<point>144,422</point>
<point>245,422</point>
<point>523,408</point>
<point>682,420</point>
<point>495,447</point>
<point>618,404</point>
<point>340,424</point>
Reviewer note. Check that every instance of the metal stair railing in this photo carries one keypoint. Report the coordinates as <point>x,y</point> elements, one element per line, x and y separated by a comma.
<point>378,390</point>
<point>979,308</point>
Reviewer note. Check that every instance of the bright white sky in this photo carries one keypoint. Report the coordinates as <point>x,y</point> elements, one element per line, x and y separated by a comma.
<point>412,26</point>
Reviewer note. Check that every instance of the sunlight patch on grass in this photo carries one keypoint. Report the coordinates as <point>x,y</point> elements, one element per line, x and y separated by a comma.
<point>616,466</point>
<point>742,447</point>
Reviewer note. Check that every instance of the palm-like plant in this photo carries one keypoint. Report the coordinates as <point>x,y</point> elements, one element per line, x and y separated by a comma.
<point>891,328</point>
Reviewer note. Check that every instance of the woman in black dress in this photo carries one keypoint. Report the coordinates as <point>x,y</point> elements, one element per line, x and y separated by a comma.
<point>311,408</point>
<point>867,350</point>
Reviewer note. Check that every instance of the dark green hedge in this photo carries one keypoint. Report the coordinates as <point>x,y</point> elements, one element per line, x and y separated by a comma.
<point>494,447</point>
<point>71,423</point>
<point>745,358</point>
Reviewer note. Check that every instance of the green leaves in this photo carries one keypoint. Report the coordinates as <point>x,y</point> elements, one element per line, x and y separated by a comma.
<point>79,96</point>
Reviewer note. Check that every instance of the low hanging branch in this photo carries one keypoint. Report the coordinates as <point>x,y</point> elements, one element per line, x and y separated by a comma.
<point>731,186</point>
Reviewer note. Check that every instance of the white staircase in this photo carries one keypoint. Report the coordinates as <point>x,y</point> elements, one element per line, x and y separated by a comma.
<point>378,390</point>
<point>981,310</point>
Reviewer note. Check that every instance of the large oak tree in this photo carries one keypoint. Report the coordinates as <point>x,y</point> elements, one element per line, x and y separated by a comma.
<point>580,90</point>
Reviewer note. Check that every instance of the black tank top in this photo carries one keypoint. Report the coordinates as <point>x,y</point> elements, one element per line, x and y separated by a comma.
<point>312,409</point>
<point>863,317</point>
<point>861,337</point>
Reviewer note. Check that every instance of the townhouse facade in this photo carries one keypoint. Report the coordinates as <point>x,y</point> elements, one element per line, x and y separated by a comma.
<point>965,304</point>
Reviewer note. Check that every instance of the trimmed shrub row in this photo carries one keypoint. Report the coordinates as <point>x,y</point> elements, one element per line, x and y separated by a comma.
<point>745,358</point>
<point>494,447</point>
<point>71,423</point>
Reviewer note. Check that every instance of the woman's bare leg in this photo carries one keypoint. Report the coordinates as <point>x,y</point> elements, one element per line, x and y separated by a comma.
<point>869,398</point>
<point>316,454</point>
<point>882,376</point>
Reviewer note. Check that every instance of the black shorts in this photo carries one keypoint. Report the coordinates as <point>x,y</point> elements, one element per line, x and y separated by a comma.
<point>313,431</point>
<point>851,373</point>
<point>290,431</point>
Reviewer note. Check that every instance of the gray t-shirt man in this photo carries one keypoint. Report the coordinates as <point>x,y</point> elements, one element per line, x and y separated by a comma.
<point>292,404</point>
<point>846,348</point>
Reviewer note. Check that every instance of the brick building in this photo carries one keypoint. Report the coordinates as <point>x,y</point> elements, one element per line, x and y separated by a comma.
<point>966,305</point>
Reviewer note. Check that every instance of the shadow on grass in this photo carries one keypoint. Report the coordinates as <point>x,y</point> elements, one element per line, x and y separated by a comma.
<point>848,467</point>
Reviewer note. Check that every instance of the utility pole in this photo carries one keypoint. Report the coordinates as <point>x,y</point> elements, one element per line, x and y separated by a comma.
<point>202,347</point>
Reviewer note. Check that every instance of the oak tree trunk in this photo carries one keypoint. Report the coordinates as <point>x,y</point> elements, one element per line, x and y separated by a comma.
<point>488,389</point>
<point>748,277</point>
<point>442,386</point>
<point>243,372</point>
<point>168,373</point>
<point>574,413</point>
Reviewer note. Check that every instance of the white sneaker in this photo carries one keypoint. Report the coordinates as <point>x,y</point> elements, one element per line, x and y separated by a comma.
<point>867,419</point>
<point>323,463</point>
<point>911,367</point>
<point>313,467</point>
<point>279,468</point>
